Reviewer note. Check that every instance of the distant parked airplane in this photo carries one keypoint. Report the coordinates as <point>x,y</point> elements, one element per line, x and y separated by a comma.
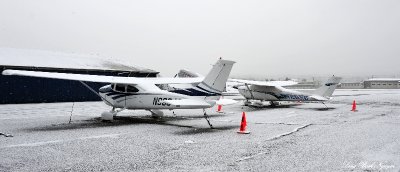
<point>274,92</point>
<point>143,93</point>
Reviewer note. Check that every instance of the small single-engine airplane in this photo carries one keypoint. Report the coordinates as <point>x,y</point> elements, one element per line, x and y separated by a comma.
<point>274,92</point>
<point>145,93</point>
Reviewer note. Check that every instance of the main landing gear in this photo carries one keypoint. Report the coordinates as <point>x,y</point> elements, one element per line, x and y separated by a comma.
<point>109,116</point>
<point>247,102</point>
<point>326,107</point>
<point>208,120</point>
<point>156,113</point>
<point>274,104</point>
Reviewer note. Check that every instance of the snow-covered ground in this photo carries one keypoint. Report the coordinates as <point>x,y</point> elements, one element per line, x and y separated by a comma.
<point>304,137</point>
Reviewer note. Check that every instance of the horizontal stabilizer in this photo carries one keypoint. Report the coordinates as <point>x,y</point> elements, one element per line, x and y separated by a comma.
<point>318,98</point>
<point>226,102</point>
<point>188,104</point>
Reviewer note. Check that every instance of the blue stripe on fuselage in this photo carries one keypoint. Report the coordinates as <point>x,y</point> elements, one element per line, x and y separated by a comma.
<point>207,90</point>
<point>188,92</point>
<point>194,92</point>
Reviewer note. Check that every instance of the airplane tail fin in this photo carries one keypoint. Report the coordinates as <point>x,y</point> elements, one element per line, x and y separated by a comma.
<point>215,81</point>
<point>327,89</point>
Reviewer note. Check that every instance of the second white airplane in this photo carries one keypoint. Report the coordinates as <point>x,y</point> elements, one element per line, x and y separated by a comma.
<point>274,92</point>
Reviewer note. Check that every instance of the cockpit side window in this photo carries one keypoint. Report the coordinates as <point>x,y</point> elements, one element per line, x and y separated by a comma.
<point>120,88</point>
<point>131,89</point>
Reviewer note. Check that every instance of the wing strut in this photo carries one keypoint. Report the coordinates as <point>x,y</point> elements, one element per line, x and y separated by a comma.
<point>91,89</point>
<point>208,120</point>
<point>325,105</point>
<point>251,93</point>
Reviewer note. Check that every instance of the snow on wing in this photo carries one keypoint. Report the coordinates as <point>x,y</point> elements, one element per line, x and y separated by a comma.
<point>265,83</point>
<point>102,78</point>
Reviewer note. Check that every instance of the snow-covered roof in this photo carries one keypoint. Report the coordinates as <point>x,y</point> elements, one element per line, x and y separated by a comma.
<point>41,58</point>
<point>384,79</point>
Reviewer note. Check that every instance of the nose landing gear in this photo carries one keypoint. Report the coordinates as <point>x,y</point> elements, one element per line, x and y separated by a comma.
<point>109,116</point>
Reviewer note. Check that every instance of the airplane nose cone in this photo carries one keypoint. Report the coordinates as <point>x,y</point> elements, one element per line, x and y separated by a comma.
<point>241,89</point>
<point>105,89</point>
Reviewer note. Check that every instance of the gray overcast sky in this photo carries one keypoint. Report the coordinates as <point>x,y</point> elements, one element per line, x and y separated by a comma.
<point>266,38</point>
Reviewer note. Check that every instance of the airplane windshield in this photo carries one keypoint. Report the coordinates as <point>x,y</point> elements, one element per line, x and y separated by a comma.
<point>131,89</point>
<point>125,88</point>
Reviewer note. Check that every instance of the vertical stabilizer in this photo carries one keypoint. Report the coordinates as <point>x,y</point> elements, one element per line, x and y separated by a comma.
<point>327,89</point>
<point>215,81</point>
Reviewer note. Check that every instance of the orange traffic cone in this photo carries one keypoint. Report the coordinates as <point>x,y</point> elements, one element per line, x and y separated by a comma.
<point>219,109</point>
<point>354,107</point>
<point>243,125</point>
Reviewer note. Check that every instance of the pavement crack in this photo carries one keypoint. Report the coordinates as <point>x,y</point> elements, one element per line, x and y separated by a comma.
<point>289,133</point>
<point>274,138</point>
<point>252,156</point>
<point>266,123</point>
<point>277,123</point>
<point>6,135</point>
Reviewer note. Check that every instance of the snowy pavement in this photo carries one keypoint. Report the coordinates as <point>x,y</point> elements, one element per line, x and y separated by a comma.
<point>304,137</point>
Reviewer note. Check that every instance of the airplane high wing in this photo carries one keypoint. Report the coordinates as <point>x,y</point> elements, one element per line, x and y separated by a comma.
<point>103,79</point>
<point>265,83</point>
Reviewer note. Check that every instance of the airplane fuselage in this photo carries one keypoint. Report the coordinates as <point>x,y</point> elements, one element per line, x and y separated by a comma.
<point>149,100</point>
<point>273,94</point>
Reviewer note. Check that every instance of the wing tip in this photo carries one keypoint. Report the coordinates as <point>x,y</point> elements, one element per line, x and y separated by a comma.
<point>7,72</point>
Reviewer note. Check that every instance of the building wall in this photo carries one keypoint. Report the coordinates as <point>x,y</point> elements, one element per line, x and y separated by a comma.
<point>382,84</point>
<point>18,89</point>
<point>353,85</point>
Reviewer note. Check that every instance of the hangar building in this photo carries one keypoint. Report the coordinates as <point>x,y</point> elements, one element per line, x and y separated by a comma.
<point>351,85</point>
<point>17,89</point>
<point>374,83</point>
<point>382,83</point>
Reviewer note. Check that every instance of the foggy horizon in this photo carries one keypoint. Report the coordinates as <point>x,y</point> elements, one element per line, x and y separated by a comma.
<point>267,39</point>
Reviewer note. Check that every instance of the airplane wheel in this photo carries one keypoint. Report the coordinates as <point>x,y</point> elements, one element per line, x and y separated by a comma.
<point>107,116</point>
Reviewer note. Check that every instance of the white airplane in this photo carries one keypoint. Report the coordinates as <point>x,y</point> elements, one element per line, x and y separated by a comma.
<point>274,92</point>
<point>143,93</point>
